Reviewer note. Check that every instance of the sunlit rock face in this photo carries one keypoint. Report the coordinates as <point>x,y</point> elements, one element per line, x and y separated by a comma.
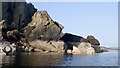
<point>42,27</point>
<point>82,48</point>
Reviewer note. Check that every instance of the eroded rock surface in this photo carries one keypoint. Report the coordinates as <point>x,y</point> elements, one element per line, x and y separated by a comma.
<point>42,27</point>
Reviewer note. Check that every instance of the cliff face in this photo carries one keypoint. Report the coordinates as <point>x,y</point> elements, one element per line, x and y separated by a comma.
<point>17,14</point>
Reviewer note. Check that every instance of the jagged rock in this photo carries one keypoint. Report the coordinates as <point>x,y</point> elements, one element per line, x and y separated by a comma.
<point>16,15</point>
<point>91,39</point>
<point>42,27</point>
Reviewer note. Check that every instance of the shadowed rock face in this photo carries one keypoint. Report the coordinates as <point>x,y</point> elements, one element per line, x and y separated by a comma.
<point>72,38</point>
<point>16,15</point>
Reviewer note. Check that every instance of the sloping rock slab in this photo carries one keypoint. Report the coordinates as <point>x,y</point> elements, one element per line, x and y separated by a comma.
<point>42,27</point>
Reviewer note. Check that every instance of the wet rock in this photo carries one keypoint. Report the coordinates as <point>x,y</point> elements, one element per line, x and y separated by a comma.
<point>91,39</point>
<point>42,27</point>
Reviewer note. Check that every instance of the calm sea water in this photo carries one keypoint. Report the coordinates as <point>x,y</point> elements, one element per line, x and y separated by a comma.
<point>44,59</point>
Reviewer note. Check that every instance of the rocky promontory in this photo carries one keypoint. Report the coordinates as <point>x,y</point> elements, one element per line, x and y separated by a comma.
<point>27,30</point>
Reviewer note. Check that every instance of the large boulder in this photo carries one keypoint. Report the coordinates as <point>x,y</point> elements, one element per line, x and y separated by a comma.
<point>42,27</point>
<point>72,40</point>
<point>83,48</point>
<point>51,46</point>
<point>91,39</point>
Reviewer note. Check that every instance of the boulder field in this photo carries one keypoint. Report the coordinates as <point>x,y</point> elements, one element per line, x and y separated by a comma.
<point>31,30</point>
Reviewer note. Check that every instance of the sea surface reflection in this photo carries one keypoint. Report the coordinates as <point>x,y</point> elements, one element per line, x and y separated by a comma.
<point>52,59</point>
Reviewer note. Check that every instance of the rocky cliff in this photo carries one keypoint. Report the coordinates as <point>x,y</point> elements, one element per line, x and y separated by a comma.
<point>31,30</point>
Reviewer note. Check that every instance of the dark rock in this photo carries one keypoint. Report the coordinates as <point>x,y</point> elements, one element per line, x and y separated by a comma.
<point>72,38</point>
<point>91,39</point>
<point>17,15</point>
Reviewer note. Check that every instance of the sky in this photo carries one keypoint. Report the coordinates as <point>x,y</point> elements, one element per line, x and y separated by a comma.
<point>99,19</point>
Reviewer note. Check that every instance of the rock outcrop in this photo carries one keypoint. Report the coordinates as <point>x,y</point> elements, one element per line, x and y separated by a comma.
<point>91,39</point>
<point>77,44</point>
<point>42,27</point>
<point>16,15</point>
<point>83,48</point>
<point>32,30</point>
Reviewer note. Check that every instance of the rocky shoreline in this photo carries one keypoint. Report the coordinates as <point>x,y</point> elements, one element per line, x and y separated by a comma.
<point>24,29</point>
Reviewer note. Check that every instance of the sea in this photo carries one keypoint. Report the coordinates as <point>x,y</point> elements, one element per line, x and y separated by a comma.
<point>55,59</point>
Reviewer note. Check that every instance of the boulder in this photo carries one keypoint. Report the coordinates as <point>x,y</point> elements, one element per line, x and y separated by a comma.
<point>51,46</point>
<point>91,39</point>
<point>82,48</point>
<point>85,48</point>
<point>72,40</point>
<point>42,27</point>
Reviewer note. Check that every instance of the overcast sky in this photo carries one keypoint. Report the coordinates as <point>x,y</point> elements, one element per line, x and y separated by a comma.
<point>99,19</point>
